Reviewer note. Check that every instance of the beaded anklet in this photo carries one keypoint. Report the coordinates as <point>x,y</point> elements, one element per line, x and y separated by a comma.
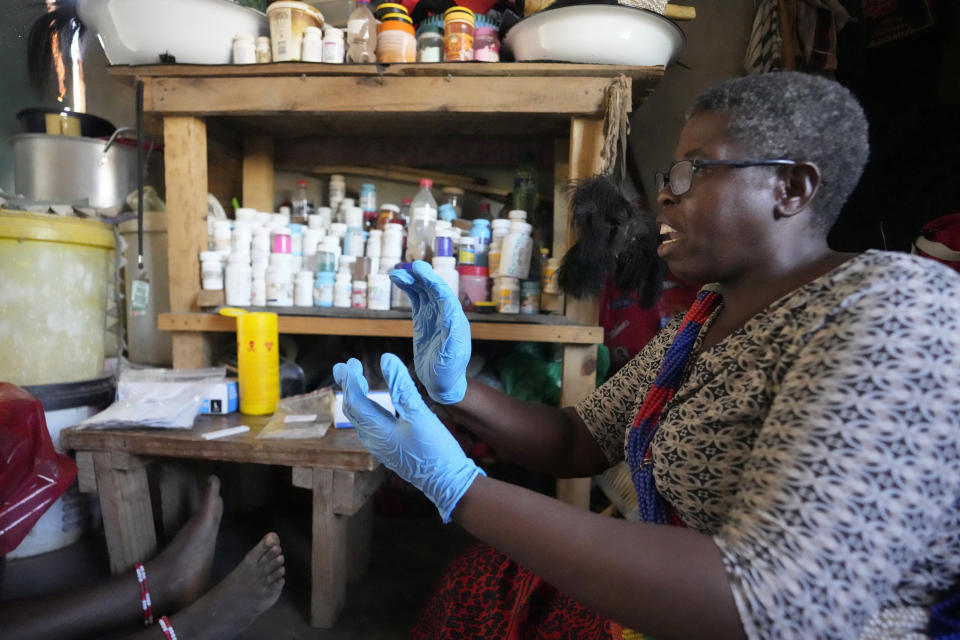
<point>145,602</point>
<point>167,628</point>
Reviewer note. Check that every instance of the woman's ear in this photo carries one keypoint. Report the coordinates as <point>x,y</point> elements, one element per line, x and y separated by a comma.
<point>799,184</point>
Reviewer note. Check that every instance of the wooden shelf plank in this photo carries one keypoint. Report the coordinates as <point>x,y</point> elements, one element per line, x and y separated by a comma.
<point>388,324</point>
<point>647,75</point>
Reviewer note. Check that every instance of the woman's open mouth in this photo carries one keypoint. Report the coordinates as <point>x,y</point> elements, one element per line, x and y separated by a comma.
<point>668,235</point>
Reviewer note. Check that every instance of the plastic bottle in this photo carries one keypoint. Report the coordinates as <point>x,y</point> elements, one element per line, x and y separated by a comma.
<point>264,54</point>
<point>258,290</point>
<point>244,49</point>
<point>507,294</point>
<point>374,244</point>
<point>358,296</point>
<point>474,285</point>
<point>525,194</point>
<point>334,50</point>
<point>303,289</point>
<point>221,235</point>
<point>529,297</point>
<point>396,39</point>
<point>446,268</point>
<point>342,288</point>
<point>499,228</point>
<point>312,47</point>
<point>398,299</point>
<point>323,289</point>
<point>301,205</point>
<point>238,281</point>
<point>516,251</point>
<point>362,34</point>
<point>378,292</point>
<point>258,362</point>
<point>279,286</point>
<point>480,232</point>
<point>337,188</point>
<point>467,253</point>
<point>423,211</point>
<point>211,270</point>
<point>368,204</point>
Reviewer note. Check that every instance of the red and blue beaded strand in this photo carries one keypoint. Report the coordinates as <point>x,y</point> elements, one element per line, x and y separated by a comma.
<point>652,506</point>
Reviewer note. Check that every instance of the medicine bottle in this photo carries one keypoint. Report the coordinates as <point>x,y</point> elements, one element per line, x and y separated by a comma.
<point>238,281</point>
<point>303,289</point>
<point>458,34</point>
<point>480,232</point>
<point>474,285</point>
<point>334,50</point>
<point>244,49</point>
<point>499,229</point>
<point>264,54</point>
<point>358,298</point>
<point>323,289</point>
<point>445,267</point>
<point>430,44</point>
<point>311,49</point>
<point>211,270</point>
<point>378,292</point>
<point>530,297</point>
<point>342,288</point>
<point>507,294</point>
<point>337,188</point>
<point>516,251</point>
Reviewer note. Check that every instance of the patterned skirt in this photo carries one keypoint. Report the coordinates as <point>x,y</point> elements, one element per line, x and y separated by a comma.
<point>484,594</point>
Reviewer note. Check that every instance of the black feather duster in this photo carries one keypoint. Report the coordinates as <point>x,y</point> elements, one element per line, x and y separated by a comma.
<point>614,237</point>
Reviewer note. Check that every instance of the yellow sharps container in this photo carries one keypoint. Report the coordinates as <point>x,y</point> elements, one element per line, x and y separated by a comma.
<point>258,361</point>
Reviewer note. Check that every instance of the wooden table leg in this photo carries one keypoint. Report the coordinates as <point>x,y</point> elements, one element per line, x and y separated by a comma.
<point>125,503</point>
<point>342,526</point>
<point>329,552</point>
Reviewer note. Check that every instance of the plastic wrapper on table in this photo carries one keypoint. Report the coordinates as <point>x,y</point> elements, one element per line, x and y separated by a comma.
<point>32,474</point>
<point>305,416</point>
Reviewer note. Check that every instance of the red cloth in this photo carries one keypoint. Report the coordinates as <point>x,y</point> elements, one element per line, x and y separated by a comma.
<point>939,240</point>
<point>32,474</point>
<point>627,327</point>
<point>484,594</point>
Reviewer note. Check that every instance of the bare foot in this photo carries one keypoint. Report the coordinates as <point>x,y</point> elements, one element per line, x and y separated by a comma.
<point>180,574</point>
<point>231,606</point>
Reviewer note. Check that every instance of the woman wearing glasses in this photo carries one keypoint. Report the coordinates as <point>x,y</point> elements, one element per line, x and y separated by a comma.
<point>793,440</point>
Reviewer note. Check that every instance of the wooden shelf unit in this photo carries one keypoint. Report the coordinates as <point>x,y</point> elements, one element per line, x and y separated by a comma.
<point>224,126</point>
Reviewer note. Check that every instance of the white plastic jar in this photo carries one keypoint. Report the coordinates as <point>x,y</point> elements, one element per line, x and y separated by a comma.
<point>446,268</point>
<point>312,47</point>
<point>221,235</point>
<point>358,296</point>
<point>342,289</point>
<point>303,289</point>
<point>211,270</point>
<point>334,49</point>
<point>323,289</point>
<point>238,281</point>
<point>337,188</point>
<point>378,291</point>
<point>516,251</point>
<point>244,49</point>
<point>279,286</point>
<point>507,294</point>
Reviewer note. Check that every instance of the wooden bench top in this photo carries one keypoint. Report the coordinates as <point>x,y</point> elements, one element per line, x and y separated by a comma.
<point>338,449</point>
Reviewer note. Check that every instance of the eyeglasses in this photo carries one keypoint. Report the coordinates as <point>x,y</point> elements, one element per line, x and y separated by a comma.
<point>680,174</point>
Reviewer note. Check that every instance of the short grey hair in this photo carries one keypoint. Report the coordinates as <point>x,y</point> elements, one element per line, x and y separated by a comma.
<point>801,117</point>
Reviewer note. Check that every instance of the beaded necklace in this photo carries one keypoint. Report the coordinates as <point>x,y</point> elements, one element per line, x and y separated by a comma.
<point>652,506</point>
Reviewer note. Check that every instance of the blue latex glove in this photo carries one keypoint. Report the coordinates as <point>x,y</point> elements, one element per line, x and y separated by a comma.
<point>441,333</point>
<point>416,446</point>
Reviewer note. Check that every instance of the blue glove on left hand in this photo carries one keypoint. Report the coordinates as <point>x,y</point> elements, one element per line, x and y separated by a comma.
<point>416,446</point>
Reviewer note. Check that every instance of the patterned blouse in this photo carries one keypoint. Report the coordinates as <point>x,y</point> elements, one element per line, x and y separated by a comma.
<point>819,445</point>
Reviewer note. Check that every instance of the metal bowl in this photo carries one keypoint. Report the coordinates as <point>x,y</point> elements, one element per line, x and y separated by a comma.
<point>596,34</point>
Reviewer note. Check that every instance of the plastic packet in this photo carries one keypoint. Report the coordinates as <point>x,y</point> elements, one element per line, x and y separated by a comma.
<point>305,416</point>
<point>32,474</point>
<point>159,398</point>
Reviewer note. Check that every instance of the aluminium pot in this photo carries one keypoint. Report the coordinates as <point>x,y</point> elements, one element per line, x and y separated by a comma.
<point>77,170</point>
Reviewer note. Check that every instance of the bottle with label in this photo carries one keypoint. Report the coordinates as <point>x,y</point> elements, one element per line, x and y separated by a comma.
<point>480,232</point>
<point>311,49</point>
<point>430,44</point>
<point>334,50</point>
<point>244,49</point>
<point>499,229</point>
<point>263,52</point>
<point>516,251</point>
<point>362,34</point>
<point>302,207</point>
<point>423,211</point>
<point>368,203</point>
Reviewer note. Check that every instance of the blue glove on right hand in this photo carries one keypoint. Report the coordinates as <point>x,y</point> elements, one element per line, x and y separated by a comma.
<point>441,333</point>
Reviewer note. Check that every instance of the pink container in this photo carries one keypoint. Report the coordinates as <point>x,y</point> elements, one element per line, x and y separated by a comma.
<point>474,285</point>
<point>280,242</point>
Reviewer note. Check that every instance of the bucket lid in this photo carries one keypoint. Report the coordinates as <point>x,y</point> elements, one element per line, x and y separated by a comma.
<point>21,225</point>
